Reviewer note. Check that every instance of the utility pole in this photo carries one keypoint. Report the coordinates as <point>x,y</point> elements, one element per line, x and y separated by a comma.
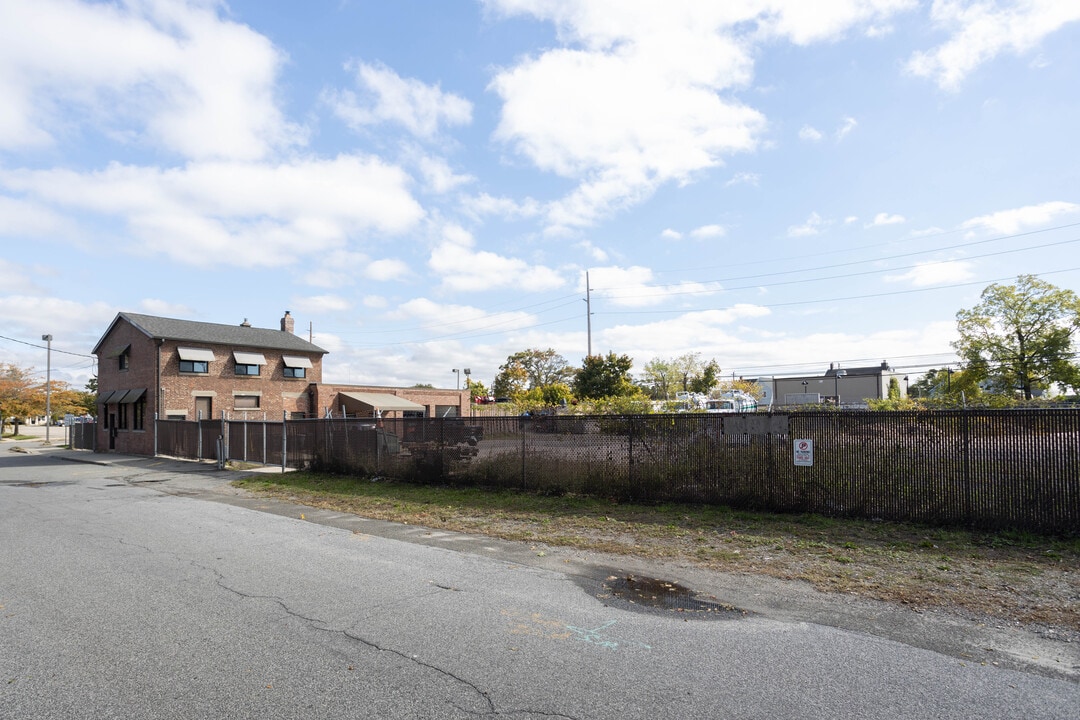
<point>48,385</point>
<point>588,313</point>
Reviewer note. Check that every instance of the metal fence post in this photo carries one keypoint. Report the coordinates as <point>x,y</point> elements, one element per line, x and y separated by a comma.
<point>284,441</point>
<point>155,435</point>
<point>198,436</point>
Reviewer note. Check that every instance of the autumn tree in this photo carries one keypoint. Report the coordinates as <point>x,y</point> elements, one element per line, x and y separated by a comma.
<point>20,395</point>
<point>1019,338</point>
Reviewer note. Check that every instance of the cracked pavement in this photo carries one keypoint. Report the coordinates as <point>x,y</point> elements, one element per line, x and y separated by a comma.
<point>151,588</point>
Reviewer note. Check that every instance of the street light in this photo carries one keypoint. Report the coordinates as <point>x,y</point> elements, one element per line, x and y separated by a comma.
<point>48,385</point>
<point>836,384</point>
<point>458,372</point>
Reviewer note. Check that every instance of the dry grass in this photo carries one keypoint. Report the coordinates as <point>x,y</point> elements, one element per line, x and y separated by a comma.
<point>1004,577</point>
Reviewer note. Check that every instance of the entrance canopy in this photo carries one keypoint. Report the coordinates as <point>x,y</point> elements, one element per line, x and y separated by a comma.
<point>362,403</point>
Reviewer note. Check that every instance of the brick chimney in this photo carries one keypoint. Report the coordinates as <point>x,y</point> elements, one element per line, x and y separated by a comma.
<point>287,323</point>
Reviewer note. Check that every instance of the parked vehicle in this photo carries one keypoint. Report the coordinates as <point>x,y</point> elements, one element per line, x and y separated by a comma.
<point>731,402</point>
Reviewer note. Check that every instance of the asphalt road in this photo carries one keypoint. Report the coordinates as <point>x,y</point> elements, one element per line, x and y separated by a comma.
<point>150,589</point>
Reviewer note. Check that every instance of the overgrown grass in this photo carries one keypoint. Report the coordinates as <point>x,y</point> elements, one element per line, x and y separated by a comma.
<point>1014,577</point>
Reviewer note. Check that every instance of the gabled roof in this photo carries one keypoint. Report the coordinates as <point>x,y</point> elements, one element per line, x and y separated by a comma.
<point>212,333</point>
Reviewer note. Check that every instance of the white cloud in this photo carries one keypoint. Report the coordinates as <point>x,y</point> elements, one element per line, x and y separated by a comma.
<point>935,273</point>
<point>644,90</point>
<point>20,218</point>
<point>708,231</point>
<point>321,304</point>
<point>387,97</point>
<point>886,219</point>
<point>386,269</point>
<point>636,287</point>
<point>744,178</point>
<point>669,234</point>
<point>812,226</point>
<point>461,267</point>
<point>451,318</point>
<point>1018,219</point>
<point>439,177</point>
<point>845,128</point>
<point>235,213</point>
<point>173,74</point>
<point>375,301</point>
<point>483,205</point>
<point>164,308</point>
<point>707,332</point>
<point>16,278</point>
<point>810,133</point>
<point>980,31</point>
<point>851,219</point>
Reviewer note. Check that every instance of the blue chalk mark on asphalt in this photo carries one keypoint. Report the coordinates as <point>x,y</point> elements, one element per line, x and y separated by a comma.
<point>596,636</point>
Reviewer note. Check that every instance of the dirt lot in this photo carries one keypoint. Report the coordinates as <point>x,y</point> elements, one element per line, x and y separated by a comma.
<point>996,579</point>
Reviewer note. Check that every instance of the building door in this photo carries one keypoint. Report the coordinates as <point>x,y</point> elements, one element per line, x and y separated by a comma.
<point>203,408</point>
<point>112,431</point>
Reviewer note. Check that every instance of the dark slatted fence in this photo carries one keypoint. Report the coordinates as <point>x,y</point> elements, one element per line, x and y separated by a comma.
<point>985,468</point>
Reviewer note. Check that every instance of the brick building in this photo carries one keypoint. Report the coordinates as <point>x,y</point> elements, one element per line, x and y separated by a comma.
<point>180,369</point>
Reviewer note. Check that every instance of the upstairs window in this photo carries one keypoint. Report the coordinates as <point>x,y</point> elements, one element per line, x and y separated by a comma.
<point>124,359</point>
<point>296,366</point>
<point>195,361</point>
<point>248,363</point>
<point>198,367</point>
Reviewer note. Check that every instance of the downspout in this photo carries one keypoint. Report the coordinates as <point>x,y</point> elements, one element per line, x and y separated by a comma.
<point>158,393</point>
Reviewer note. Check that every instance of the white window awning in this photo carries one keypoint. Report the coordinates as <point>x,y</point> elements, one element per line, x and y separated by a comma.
<point>295,361</point>
<point>197,354</point>
<point>248,358</point>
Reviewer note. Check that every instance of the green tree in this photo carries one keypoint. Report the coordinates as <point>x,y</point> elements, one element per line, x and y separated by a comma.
<point>894,389</point>
<point>664,376</point>
<point>531,369</point>
<point>476,389</point>
<point>706,379</point>
<point>1019,337</point>
<point>605,376</point>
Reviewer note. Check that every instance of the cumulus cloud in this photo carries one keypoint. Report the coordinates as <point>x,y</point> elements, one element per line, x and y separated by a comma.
<point>321,304</point>
<point>810,133</point>
<point>455,318</point>
<point>935,273</point>
<point>236,213</point>
<point>812,226</point>
<point>175,75</point>
<point>886,219</point>
<point>981,31</point>
<point>845,128</point>
<point>669,234</point>
<point>708,231</point>
<point>1016,220</point>
<point>744,178</point>
<point>636,286</point>
<point>462,267</point>
<point>484,205</point>
<point>387,97</point>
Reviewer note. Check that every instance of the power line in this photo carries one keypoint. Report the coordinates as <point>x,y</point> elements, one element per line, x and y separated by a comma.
<point>841,299</point>
<point>833,277</point>
<point>42,347</point>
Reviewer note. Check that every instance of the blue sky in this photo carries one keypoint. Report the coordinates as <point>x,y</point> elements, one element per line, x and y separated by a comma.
<point>775,184</point>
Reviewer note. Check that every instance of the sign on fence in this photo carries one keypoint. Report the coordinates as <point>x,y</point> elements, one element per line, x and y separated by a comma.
<point>804,452</point>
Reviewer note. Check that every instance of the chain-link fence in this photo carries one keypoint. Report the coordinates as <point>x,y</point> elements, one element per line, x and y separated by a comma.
<point>1017,469</point>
